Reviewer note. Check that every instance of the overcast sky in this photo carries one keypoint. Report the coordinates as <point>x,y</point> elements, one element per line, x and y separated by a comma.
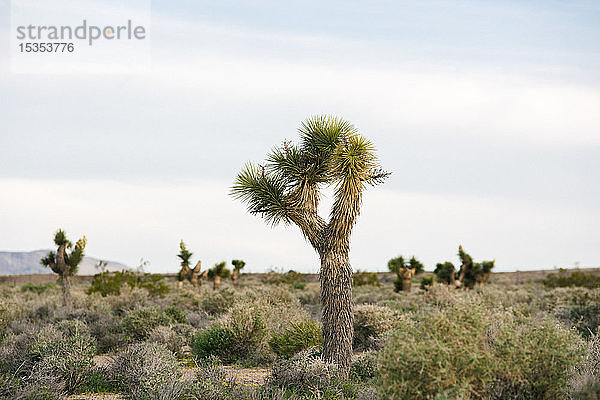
<point>486,112</point>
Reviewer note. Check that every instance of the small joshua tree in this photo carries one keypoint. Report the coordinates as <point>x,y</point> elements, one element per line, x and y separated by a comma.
<point>469,274</point>
<point>446,273</point>
<point>191,274</point>
<point>65,263</point>
<point>404,272</point>
<point>218,272</point>
<point>237,267</point>
<point>287,188</point>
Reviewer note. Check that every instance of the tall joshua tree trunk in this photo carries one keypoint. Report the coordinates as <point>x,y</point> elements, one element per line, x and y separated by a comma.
<point>194,275</point>
<point>217,282</point>
<point>332,153</point>
<point>336,299</point>
<point>63,270</point>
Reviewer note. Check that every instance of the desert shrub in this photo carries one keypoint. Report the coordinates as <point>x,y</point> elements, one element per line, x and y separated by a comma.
<point>106,329</point>
<point>371,323</point>
<point>306,374</point>
<point>466,350</point>
<point>198,319</point>
<point>110,283</point>
<point>176,314</point>
<point>235,338</point>
<point>585,381</point>
<point>575,278</point>
<point>139,322</point>
<point>297,337</point>
<point>584,317</point>
<point>51,361</point>
<point>37,288</point>
<point>290,278</point>
<point>214,341</point>
<point>590,390</point>
<point>168,338</point>
<point>214,383</point>
<point>147,371</point>
<point>218,302</point>
<point>535,356</point>
<point>363,278</point>
<point>364,366</point>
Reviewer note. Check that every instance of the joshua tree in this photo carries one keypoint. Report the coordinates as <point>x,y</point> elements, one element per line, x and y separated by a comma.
<point>286,189</point>
<point>237,267</point>
<point>191,274</point>
<point>218,272</point>
<point>65,263</point>
<point>445,272</point>
<point>470,272</point>
<point>404,272</point>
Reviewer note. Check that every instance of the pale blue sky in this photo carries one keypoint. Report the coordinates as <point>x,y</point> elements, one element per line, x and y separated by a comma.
<point>486,112</point>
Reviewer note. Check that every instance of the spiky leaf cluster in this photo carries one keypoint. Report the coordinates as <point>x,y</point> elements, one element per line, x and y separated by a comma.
<point>71,259</point>
<point>220,269</point>
<point>286,188</point>
<point>184,255</point>
<point>238,264</point>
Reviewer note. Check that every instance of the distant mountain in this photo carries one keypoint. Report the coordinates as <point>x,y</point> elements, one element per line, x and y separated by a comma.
<point>28,262</point>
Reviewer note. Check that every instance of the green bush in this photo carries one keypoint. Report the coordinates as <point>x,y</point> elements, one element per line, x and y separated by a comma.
<point>235,338</point>
<point>363,278</point>
<point>575,278</point>
<point>215,341</point>
<point>37,288</point>
<point>371,324</point>
<point>147,371</point>
<point>139,322</point>
<point>218,302</point>
<point>110,283</point>
<point>466,350</point>
<point>297,337</point>
<point>48,362</point>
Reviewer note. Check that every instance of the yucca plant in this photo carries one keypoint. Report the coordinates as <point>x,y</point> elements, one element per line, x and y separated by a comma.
<point>404,272</point>
<point>237,267</point>
<point>217,273</point>
<point>191,274</point>
<point>287,189</point>
<point>65,263</point>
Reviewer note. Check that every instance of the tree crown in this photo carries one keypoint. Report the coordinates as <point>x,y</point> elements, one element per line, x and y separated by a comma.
<point>238,264</point>
<point>286,188</point>
<point>184,255</point>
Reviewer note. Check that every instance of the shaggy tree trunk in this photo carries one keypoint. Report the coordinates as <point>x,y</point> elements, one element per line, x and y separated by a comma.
<point>65,283</point>
<point>217,282</point>
<point>406,285</point>
<point>235,276</point>
<point>194,275</point>
<point>337,317</point>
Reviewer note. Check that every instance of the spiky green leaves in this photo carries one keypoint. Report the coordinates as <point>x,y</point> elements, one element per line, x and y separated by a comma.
<point>395,264</point>
<point>220,269</point>
<point>74,258</point>
<point>60,238</point>
<point>263,193</point>
<point>286,188</point>
<point>63,262</point>
<point>184,255</point>
<point>238,264</point>
<point>49,259</point>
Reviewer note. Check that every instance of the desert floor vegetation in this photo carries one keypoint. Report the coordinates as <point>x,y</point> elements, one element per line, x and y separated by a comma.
<point>262,339</point>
